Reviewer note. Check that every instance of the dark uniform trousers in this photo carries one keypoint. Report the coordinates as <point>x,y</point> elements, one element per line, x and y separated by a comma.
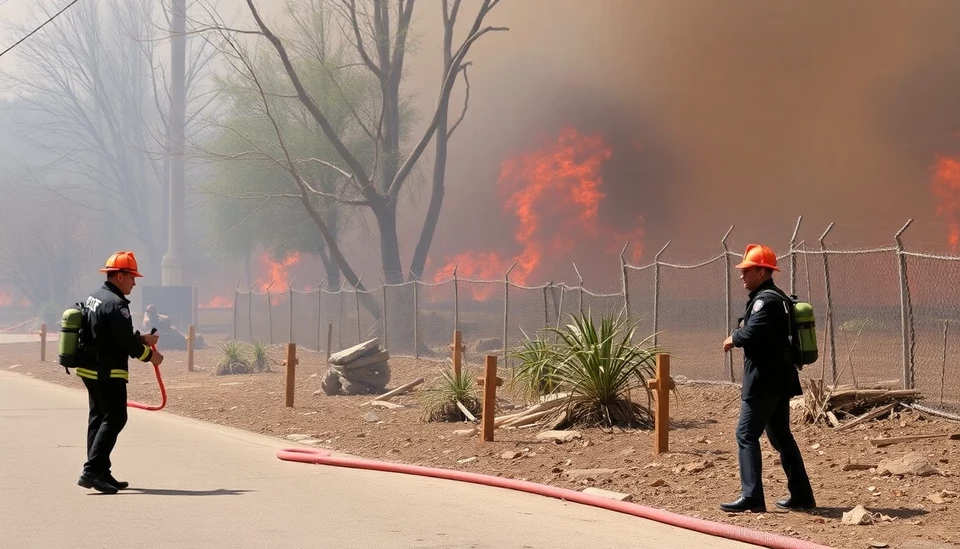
<point>771,414</point>
<point>108,415</point>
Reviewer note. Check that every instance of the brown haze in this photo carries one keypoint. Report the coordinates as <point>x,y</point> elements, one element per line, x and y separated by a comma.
<point>746,113</point>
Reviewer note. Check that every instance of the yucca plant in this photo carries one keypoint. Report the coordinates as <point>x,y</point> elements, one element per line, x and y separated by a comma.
<point>440,401</point>
<point>600,367</point>
<point>232,359</point>
<point>260,360</point>
<point>534,376</point>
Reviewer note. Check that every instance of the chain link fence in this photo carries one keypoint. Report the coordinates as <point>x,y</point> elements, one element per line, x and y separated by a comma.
<point>882,314</point>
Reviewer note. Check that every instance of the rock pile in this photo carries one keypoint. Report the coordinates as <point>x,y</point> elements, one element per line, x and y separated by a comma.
<point>359,370</point>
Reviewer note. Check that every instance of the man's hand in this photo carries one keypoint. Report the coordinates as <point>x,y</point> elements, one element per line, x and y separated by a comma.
<point>728,343</point>
<point>157,358</point>
<point>149,339</point>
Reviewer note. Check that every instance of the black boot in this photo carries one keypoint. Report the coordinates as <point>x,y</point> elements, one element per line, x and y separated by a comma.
<point>90,480</point>
<point>797,503</point>
<point>741,504</point>
<point>118,483</point>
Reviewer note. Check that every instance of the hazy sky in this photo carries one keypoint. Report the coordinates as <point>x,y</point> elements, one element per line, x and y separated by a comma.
<point>748,112</point>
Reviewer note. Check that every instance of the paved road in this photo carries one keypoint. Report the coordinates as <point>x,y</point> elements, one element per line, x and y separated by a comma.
<point>195,484</point>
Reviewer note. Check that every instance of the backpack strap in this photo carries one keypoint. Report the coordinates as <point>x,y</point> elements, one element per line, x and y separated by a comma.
<point>788,303</point>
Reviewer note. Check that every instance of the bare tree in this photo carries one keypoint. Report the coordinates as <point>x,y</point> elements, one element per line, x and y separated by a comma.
<point>97,81</point>
<point>378,36</point>
<point>45,251</point>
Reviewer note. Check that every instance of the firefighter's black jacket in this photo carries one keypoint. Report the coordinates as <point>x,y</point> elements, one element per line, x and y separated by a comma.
<point>111,338</point>
<point>764,337</point>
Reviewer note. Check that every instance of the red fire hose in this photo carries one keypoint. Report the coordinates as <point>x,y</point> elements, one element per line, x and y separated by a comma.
<point>729,531</point>
<point>163,390</point>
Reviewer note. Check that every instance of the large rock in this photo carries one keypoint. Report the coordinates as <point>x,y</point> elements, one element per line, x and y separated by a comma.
<point>355,352</point>
<point>911,464</point>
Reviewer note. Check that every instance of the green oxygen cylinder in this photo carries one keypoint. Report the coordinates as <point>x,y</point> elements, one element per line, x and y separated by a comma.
<point>70,324</point>
<point>806,326</point>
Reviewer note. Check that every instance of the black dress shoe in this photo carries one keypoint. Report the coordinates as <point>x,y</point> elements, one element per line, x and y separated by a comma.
<point>797,503</point>
<point>742,504</point>
<point>120,484</point>
<point>88,480</point>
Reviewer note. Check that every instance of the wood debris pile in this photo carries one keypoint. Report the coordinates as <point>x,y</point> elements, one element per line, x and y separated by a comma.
<point>548,410</point>
<point>359,370</point>
<point>844,406</point>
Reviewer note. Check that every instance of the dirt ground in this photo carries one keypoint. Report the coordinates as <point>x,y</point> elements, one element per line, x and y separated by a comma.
<point>698,473</point>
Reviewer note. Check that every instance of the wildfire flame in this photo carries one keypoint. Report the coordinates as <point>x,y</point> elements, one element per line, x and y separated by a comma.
<point>279,275</point>
<point>559,183</point>
<point>946,189</point>
<point>218,302</point>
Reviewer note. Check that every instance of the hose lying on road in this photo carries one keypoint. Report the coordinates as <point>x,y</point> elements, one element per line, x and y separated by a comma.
<point>737,533</point>
<point>163,393</point>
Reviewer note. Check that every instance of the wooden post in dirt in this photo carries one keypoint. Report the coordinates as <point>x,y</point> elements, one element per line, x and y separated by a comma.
<point>490,382</point>
<point>662,386</point>
<point>457,353</point>
<point>329,338</point>
<point>191,341</point>
<point>43,342</point>
<point>291,364</point>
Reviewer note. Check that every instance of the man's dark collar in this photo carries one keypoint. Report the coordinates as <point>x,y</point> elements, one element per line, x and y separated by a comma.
<point>766,285</point>
<point>113,288</point>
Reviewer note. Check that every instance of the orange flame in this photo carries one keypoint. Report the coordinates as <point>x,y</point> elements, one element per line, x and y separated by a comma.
<point>279,280</point>
<point>946,189</point>
<point>559,182</point>
<point>217,303</point>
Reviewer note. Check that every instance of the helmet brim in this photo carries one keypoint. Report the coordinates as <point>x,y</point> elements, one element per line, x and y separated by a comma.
<point>748,264</point>
<point>112,270</point>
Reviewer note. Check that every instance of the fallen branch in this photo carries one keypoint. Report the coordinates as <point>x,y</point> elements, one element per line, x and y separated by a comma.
<point>400,390</point>
<point>527,419</point>
<point>881,442</point>
<point>465,411</point>
<point>868,416</point>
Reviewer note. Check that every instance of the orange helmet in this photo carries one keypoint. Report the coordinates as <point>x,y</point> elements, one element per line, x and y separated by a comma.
<point>758,256</point>
<point>122,261</point>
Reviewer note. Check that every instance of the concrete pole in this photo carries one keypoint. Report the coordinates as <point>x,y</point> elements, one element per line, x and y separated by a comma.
<point>174,267</point>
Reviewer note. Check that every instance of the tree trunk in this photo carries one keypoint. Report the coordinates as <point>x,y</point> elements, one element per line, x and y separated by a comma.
<point>436,202</point>
<point>389,244</point>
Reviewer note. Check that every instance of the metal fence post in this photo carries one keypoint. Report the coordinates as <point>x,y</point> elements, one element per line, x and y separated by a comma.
<point>906,312</point>
<point>579,289</point>
<point>290,328</point>
<point>793,258</point>
<point>320,314</point>
<point>356,295</point>
<point>727,357</point>
<point>506,308</point>
<point>829,298</point>
<point>623,281</point>
<point>236,298</point>
<point>546,311</point>
<point>340,316</point>
<point>656,292</point>
<point>383,289</point>
<point>416,319</point>
<point>250,312</point>
<point>456,299</point>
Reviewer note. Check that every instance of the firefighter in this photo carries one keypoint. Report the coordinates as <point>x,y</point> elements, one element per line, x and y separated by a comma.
<point>104,368</point>
<point>770,380</point>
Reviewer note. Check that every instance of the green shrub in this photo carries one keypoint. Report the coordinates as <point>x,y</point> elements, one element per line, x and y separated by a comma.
<point>439,402</point>
<point>232,359</point>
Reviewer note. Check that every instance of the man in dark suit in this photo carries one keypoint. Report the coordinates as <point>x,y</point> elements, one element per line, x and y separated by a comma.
<point>770,380</point>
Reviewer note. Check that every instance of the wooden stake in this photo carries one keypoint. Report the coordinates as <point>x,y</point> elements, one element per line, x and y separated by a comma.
<point>43,342</point>
<point>291,364</point>
<point>457,353</point>
<point>489,398</point>
<point>191,341</point>
<point>661,387</point>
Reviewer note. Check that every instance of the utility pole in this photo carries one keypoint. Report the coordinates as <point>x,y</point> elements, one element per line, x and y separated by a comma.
<point>174,265</point>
